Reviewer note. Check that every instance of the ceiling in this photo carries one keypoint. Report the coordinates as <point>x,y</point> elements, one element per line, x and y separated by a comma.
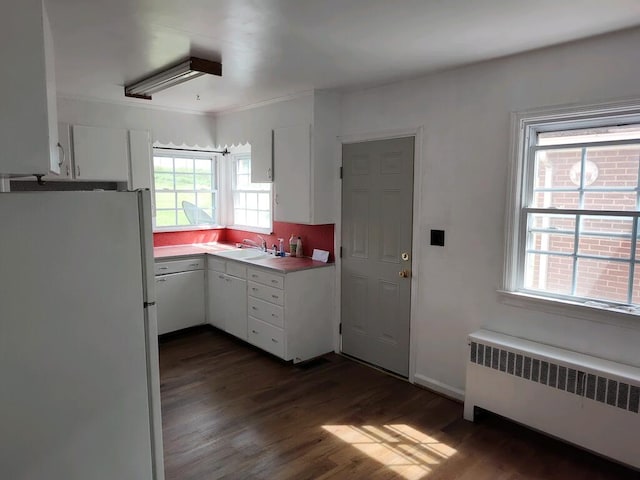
<point>275,48</point>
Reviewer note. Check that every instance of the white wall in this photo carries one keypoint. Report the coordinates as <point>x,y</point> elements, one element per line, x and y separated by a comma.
<point>464,160</point>
<point>168,128</point>
<point>239,127</point>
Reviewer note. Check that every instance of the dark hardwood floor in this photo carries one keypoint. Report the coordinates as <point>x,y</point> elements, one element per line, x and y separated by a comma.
<point>233,412</point>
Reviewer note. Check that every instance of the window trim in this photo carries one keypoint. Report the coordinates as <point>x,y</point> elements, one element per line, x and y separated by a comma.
<point>522,125</point>
<point>215,157</point>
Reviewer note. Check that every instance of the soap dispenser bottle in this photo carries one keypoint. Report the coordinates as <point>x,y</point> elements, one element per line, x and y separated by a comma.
<point>292,245</point>
<point>299,247</point>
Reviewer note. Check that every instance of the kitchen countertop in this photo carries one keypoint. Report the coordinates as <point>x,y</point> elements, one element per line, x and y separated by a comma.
<point>280,264</point>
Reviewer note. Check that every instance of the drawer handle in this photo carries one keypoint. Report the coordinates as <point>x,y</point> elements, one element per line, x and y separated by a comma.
<point>273,315</point>
<point>253,331</point>
<point>275,296</point>
<point>254,308</point>
<point>163,268</point>
<point>254,289</point>
<point>161,280</point>
<point>194,264</point>
<point>220,276</point>
<point>254,275</point>
<point>274,340</point>
<point>274,281</point>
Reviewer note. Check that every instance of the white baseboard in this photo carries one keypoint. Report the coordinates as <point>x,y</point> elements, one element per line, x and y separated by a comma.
<point>439,387</point>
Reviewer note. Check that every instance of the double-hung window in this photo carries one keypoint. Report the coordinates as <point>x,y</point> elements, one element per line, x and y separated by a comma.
<point>185,189</point>
<point>574,230</point>
<point>251,201</point>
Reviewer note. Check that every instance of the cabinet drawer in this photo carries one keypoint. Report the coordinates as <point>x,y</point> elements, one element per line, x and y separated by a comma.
<point>175,266</point>
<point>267,337</point>
<point>215,264</point>
<point>269,294</point>
<point>236,270</point>
<point>266,278</point>
<point>267,312</point>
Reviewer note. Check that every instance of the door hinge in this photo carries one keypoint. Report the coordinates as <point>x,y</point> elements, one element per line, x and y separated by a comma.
<point>340,252</point>
<point>340,173</point>
<point>340,328</point>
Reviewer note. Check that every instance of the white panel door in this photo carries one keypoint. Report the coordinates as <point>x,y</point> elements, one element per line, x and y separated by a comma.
<point>377,204</point>
<point>292,175</point>
<point>100,153</point>
<point>180,300</point>
<point>74,399</point>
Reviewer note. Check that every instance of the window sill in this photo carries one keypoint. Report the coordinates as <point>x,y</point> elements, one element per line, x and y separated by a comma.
<point>266,231</point>
<point>608,315</point>
<point>187,228</point>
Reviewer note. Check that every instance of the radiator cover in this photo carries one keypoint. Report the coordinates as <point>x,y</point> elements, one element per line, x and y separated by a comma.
<point>587,401</point>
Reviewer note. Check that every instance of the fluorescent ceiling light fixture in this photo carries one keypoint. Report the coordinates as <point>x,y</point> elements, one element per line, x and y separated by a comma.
<point>176,74</point>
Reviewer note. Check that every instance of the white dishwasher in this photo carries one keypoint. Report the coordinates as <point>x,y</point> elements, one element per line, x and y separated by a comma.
<point>180,293</point>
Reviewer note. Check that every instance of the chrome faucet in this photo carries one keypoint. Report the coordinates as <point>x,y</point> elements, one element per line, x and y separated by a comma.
<point>260,246</point>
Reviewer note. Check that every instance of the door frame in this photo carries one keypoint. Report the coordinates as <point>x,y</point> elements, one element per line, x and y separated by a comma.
<point>418,134</point>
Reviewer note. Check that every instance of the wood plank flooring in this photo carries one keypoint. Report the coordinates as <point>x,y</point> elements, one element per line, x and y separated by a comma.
<point>233,412</point>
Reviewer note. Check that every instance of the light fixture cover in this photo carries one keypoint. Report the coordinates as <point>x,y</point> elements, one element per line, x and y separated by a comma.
<point>176,74</point>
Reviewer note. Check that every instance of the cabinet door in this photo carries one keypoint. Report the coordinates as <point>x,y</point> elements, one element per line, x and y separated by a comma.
<point>262,156</point>
<point>27,96</point>
<point>236,301</point>
<point>141,163</point>
<point>55,160</point>
<point>100,153</point>
<point>66,161</point>
<point>180,300</point>
<point>216,299</point>
<point>140,159</point>
<point>292,158</point>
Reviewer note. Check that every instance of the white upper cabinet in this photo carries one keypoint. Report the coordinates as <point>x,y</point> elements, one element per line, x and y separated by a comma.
<point>305,166</point>
<point>294,145</point>
<point>140,157</point>
<point>100,153</point>
<point>261,155</point>
<point>292,161</point>
<point>65,152</point>
<point>28,116</point>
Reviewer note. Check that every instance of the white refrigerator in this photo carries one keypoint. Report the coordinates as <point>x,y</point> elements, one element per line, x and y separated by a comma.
<point>79,382</point>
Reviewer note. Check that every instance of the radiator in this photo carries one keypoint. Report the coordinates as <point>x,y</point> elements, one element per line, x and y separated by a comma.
<point>587,401</point>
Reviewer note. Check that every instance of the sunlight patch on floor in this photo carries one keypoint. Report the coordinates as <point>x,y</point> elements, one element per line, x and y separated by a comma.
<point>401,448</point>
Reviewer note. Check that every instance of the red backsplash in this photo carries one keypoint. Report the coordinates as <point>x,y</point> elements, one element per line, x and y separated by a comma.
<point>312,236</point>
<point>163,239</point>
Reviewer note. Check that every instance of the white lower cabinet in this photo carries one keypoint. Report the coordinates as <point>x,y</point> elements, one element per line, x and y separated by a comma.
<point>227,297</point>
<point>266,337</point>
<point>288,314</point>
<point>216,287</point>
<point>179,294</point>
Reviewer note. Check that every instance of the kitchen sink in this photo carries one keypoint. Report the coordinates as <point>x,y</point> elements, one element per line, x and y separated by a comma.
<point>243,254</point>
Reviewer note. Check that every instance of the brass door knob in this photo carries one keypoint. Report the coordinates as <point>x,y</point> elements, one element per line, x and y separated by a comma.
<point>404,273</point>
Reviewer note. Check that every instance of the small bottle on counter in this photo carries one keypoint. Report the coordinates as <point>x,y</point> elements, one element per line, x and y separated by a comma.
<point>299,248</point>
<point>281,241</point>
<point>292,245</point>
